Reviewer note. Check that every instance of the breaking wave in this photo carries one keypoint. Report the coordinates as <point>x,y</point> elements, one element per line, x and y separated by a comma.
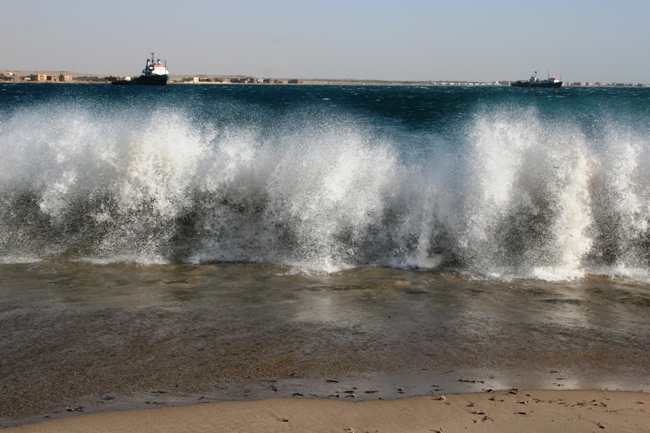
<point>514,195</point>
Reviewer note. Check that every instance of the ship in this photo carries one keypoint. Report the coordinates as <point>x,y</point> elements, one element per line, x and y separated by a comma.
<point>154,73</point>
<point>533,81</point>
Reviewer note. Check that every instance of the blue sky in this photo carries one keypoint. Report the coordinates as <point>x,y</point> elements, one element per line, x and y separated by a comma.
<point>394,40</point>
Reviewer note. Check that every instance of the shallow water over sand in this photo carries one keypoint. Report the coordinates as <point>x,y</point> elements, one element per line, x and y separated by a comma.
<point>101,337</point>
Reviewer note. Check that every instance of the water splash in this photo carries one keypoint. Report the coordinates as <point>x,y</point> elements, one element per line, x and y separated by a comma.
<point>516,196</point>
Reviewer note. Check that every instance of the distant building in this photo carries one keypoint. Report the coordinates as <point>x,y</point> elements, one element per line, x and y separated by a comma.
<point>52,78</point>
<point>10,76</point>
<point>38,77</point>
<point>65,78</point>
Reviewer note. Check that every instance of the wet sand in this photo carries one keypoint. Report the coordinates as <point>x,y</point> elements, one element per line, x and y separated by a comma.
<point>78,338</point>
<point>503,411</point>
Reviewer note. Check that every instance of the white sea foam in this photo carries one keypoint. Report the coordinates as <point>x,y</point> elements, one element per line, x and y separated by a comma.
<point>519,196</point>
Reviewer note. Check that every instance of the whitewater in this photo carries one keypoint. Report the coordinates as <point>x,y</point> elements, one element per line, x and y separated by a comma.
<point>545,184</point>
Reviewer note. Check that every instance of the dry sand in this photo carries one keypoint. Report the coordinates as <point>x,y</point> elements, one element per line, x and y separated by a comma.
<point>498,411</point>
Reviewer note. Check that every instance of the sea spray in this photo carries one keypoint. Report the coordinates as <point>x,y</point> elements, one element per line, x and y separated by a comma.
<point>516,186</point>
<point>623,201</point>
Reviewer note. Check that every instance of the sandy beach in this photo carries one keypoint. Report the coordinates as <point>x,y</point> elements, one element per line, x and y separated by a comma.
<point>502,411</point>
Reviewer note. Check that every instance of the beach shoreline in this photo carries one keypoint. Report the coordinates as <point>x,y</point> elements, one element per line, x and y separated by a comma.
<point>361,387</point>
<point>505,411</point>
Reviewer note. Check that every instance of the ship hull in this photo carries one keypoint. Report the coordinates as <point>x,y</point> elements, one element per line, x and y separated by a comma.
<point>539,84</point>
<point>144,80</point>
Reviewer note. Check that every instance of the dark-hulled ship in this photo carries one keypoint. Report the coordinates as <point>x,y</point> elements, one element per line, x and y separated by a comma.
<point>533,81</point>
<point>154,73</point>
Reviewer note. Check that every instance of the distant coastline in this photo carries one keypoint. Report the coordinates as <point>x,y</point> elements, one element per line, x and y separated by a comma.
<point>9,76</point>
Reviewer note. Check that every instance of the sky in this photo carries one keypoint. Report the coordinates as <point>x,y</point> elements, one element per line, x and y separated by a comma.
<point>463,40</point>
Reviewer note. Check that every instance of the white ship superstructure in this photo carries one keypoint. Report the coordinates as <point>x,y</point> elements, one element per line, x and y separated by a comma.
<point>155,73</point>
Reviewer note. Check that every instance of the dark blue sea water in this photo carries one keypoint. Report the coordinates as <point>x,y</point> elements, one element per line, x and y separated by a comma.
<point>488,181</point>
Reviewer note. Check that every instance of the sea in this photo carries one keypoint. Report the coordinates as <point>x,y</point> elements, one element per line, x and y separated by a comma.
<point>508,217</point>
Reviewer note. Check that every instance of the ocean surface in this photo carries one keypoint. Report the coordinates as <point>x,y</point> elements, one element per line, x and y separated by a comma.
<point>189,238</point>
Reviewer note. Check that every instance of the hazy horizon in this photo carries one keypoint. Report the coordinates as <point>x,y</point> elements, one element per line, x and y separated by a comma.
<point>413,40</point>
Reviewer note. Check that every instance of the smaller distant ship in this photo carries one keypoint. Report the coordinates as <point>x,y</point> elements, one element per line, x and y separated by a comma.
<point>154,74</point>
<point>536,82</point>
